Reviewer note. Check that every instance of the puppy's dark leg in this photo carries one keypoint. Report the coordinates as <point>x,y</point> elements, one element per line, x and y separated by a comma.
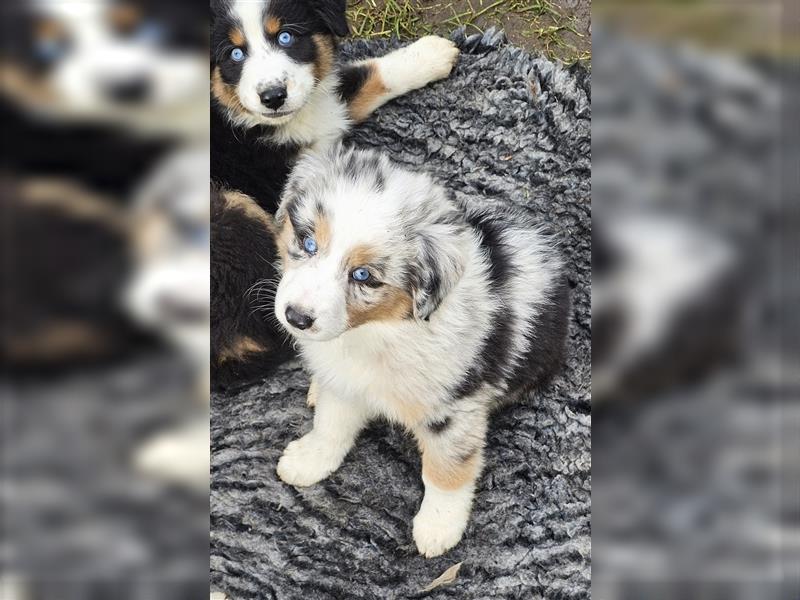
<point>369,84</point>
<point>319,453</point>
<point>452,459</point>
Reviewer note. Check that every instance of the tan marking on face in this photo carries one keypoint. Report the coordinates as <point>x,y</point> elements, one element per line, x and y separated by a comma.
<point>235,200</point>
<point>236,36</point>
<point>322,232</point>
<point>226,94</point>
<point>361,256</point>
<point>323,64</point>
<point>125,17</point>
<point>313,392</point>
<point>240,348</point>
<point>369,96</point>
<point>389,303</point>
<point>447,474</point>
<point>394,304</point>
<point>272,25</point>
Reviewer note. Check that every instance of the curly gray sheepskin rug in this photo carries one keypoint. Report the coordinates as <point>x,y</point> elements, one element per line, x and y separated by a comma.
<point>506,128</point>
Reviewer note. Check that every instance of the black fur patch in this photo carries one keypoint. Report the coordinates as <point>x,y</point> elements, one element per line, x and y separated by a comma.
<point>492,363</point>
<point>439,426</point>
<point>240,160</point>
<point>353,79</point>
<point>546,342</point>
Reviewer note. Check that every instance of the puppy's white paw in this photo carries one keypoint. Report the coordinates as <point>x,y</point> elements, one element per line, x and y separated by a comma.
<point>308,460</point>
<point>441,520</point>
<point>181,455</point>
<point>428,59</point>
<point>435,534</point>
<point>434,56</point>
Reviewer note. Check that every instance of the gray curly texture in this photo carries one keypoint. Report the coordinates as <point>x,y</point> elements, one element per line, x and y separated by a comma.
<point>506,128</point>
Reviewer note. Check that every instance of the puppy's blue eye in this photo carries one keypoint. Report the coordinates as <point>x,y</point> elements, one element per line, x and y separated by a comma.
<point>360,274</point>
<point>237,54</point>
<point>310,245</point>
<point>285,39</point>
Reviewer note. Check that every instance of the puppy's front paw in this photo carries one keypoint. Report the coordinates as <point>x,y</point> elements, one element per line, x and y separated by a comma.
<point>434,56</point>
<point>439,524</point>
<point>309,460</point>
<point>428,59</point>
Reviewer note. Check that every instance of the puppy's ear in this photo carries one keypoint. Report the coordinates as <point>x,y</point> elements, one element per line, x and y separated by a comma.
<point>333,14</point>
<point>439,265</point>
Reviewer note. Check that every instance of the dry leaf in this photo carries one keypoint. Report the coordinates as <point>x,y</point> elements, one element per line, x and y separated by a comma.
<point>449,576</point>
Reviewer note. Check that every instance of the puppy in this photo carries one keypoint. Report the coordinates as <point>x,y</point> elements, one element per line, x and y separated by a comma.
<point>168,291</point>
<point>409,305</point>
<point>134,63</point>
<point>277,91</point>
<point>243,323</point>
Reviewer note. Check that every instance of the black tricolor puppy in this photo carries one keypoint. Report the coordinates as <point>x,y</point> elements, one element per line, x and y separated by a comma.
<point>410,305</point>
<point>277,91</point>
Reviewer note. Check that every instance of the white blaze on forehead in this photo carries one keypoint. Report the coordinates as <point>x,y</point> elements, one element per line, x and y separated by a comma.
<point>250,14</point>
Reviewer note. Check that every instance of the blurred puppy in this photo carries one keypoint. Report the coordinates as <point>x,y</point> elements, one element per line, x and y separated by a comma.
<point>168,293</point>
<point>379,269</point>
<point>133,62</point>
<point>169,289</point>
<point>278,91</point>
<point>667,304</point>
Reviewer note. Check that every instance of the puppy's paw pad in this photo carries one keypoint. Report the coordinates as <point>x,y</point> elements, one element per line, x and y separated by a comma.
<point>307,461</point>
<point>435,534</point>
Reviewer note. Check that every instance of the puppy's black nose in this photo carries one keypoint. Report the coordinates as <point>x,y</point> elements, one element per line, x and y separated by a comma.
<point>298,319</point>
<point>129,91</point>
<point>273,97</point>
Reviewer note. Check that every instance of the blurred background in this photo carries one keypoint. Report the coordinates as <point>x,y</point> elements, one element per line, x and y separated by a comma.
<point>696,416</point>
<point>104,339</point>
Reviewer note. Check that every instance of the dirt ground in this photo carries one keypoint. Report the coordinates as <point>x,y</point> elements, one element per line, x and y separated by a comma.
<point>560,29</point>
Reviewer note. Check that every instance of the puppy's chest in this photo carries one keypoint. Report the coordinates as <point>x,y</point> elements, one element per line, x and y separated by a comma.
<point>398,387</point>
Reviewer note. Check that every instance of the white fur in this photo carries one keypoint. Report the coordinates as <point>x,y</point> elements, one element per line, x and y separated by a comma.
<point>182,455</point>
<point>442,518</point>
<point>429,59</point>
<point>317,454</point>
